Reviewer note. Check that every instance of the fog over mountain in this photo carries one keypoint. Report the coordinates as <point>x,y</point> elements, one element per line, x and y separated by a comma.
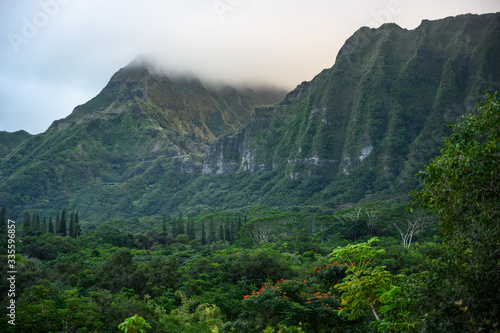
<point>359,131</point>
<point>58,54</point>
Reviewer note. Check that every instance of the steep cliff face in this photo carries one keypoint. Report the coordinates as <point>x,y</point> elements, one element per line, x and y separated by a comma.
<point>375,117</point>
<point>225,154</point>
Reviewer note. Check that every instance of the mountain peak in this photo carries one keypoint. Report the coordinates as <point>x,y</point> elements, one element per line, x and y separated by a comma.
<point>143,62</point>
<point>140,61</point>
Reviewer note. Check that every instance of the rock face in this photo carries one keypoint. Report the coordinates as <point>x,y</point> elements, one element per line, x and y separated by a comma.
<point>225,154</point>
<point>376,116</point>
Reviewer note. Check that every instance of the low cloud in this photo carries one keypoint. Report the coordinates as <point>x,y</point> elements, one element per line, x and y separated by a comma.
<point>78,45</point>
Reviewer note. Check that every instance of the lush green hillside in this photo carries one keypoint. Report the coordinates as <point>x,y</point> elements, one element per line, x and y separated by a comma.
<point>142,123</point>
<point>151,144</point>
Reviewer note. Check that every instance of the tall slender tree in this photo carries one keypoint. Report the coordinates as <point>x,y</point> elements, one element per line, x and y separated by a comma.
<point>72,224</point>
<point>190,229</point>
<point>78,229</point>
<point>27,229</point>
<point>51,225</point>
<point>43,226</point>
<point>180,224</point>
<point>35,223</point>
<point>58,224</point>
<point>164,225</point>
<point>62,227</point>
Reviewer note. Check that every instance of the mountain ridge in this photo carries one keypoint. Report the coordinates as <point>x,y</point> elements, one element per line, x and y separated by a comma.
<point>153,144</point>
<point>338,124</point>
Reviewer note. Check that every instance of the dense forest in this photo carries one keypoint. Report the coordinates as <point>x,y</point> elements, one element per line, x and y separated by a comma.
<point>430,264</point>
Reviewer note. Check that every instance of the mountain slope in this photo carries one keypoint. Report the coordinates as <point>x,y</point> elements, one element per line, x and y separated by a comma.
<point>151,144</point>
<point>139,121</point>
<point>364,127</point>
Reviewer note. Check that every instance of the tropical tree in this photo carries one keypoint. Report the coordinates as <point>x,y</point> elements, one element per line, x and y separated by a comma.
<point>462,184</point>
<point>462,187</point>
<point>134,324</point>
<point>364,278</point>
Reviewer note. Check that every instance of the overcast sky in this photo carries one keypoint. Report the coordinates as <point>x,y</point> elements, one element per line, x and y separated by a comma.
<point>57,54</point>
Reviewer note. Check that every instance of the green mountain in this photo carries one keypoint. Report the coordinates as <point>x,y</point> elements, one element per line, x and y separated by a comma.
<point>141,122</point>
<point>361,129</point>
<point>9,141</point>
<point>151,144</point>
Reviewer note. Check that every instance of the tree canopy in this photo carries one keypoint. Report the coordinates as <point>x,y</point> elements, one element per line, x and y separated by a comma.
<point>462,184</point>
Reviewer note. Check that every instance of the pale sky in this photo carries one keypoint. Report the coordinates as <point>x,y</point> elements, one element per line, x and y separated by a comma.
<point>57,54</point>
